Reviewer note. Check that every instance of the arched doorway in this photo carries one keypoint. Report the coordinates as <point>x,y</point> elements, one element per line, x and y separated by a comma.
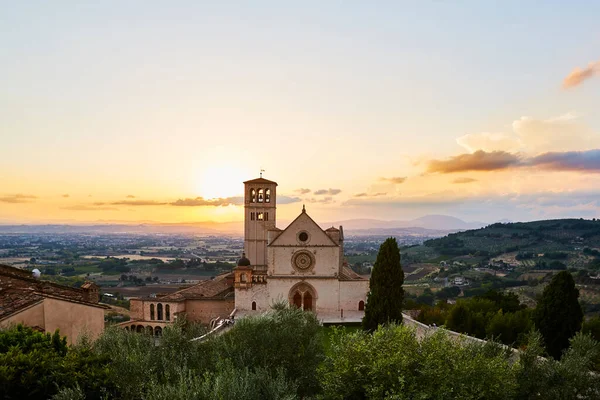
<point>361,306</point>
<point>158,331</point>
<point>304,296</point>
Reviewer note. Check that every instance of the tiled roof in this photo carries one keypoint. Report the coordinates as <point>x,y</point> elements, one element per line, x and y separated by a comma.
<point>218,288</point>
<point>12,300</point>
<point>18,290</point>
<point>260,180</point>
<point>346,274</point>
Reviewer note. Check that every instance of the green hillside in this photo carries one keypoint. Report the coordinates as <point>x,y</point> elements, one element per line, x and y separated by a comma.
<point>520,257</point>
<point>568,235</point>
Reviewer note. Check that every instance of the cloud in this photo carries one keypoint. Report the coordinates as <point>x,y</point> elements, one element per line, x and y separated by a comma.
<point>324,200</point>
<point>138,203</point>
<point>464,180</point>
<point>478,161</point>
<point>82,207</point>
<point>65,196</point>
<point>18,198</point>
<point>130,196</point>
<point>287,199</point>
<point>201,201</point>
<point>330,192</point>
<point>489,142</point>
<point>534,136</point>
<point>577,76</point>
<point>395,180</point>
<point>99,203</point>
<point>302,191</point>
<point>585,161</point>
<point>489,208</point>
<point>370,195</point>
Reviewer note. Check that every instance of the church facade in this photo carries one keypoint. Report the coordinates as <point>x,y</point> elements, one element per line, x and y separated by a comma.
<point>301,264</point>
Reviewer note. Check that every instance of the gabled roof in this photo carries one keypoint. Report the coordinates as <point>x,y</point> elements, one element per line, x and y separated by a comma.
<point>261,180</point>
<point>346,274</point>
<point>18,290</point>
<point>303,214</point>
<point>218,288</point>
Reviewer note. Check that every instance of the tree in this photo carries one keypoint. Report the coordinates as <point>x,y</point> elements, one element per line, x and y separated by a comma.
<point>384,301</point>
<point>558,315</point>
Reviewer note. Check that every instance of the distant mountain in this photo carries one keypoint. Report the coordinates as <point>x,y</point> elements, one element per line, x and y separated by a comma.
<point>433,222</point>
<point>441,224</point>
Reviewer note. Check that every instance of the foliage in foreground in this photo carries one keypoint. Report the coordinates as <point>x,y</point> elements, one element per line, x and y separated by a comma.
<point>280,355</point>
<point>393,364</point>
<point>272,356</point>
<point>34,365</point>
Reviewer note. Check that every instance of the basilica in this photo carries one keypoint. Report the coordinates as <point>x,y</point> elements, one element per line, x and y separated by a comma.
<point>301,264</point>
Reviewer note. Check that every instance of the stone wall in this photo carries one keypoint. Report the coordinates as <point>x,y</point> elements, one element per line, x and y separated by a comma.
<point>203,311</point>
<point>73,319</point>
<point>327,261</point>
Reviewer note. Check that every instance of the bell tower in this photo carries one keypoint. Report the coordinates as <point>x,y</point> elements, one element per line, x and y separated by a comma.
<point>260,204</point>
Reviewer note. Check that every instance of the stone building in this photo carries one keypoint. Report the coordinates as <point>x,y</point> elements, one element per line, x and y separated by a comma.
<point>47,306</point>
<point>199,303</point>
<point>301,264</point>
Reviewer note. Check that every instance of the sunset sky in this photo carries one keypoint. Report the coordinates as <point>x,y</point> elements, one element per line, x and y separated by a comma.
<point>129,110</point>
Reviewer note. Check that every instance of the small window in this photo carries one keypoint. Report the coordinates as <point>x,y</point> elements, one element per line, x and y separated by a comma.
<point>168,312</point>
<point>152,312</point>
<point>159,312</point>
<point>267,195</point>
<point>261,195</point>
<point>361,306</point>
<point>303,236</point>
<point>260,216</point>
<point>266,216</point>
<point>252,196</point>
<point>254,305</point>
<point>243,277</point>
<point>251,216</point>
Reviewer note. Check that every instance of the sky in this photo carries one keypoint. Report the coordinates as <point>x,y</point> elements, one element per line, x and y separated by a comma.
<point>158,111</point>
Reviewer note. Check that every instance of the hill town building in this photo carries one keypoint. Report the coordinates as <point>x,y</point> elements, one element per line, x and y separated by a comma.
<point>301,264</point>
<point>47,306</point>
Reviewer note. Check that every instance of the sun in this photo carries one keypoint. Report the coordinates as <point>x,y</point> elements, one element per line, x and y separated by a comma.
<point>220,181</point>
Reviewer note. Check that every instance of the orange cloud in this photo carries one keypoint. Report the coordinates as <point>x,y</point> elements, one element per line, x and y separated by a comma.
<point>478,161</point>
<point>577,76</point>
<point>201,201</point>
<point>464,180</point>
<point>138,203</point>
<point>395,179</point>
<point>17,198</point>
<point>331,192</point>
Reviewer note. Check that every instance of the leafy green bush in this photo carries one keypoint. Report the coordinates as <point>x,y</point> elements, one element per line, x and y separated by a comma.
<point>393,363</point>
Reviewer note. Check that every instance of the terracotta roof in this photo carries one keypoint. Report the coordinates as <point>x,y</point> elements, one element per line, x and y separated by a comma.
<point>19,290</point>
<point>12,300</point>
<point>332,229</point>
<point>88,285</point>
<point>218,288</point>
<point>346,274</point>
<point>261,180</point>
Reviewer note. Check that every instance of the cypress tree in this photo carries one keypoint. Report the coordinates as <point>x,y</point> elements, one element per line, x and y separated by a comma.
<point>558,315</point>
<point>384,301</point>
